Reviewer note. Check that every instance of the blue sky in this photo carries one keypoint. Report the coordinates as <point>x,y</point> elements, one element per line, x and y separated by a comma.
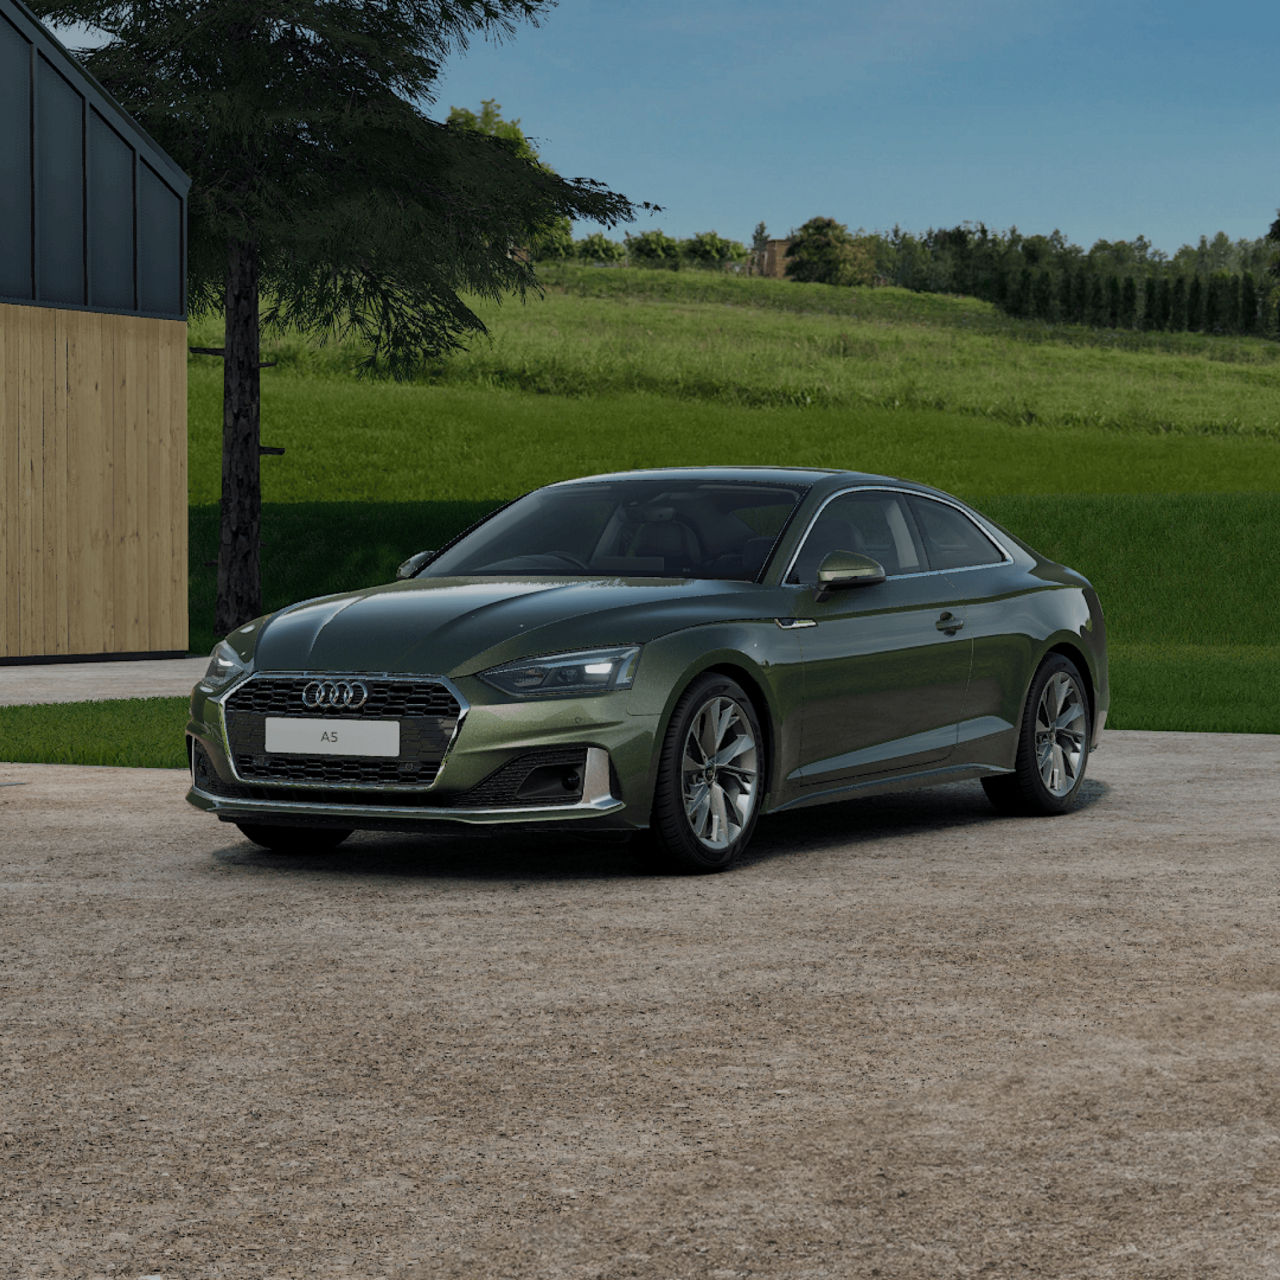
<point>1102,119</point>
<point>1106,120</point>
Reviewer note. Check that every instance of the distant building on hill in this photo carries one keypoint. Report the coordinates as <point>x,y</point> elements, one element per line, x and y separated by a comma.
<point>772,259</point>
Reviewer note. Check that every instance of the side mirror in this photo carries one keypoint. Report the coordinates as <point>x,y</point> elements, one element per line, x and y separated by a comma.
<point>841,569</point>
<point>415,562</point>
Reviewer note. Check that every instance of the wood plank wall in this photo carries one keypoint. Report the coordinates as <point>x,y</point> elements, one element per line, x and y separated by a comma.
<point>93,483</point>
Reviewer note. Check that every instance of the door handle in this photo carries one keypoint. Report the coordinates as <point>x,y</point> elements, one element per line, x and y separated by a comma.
<point>949,623</point>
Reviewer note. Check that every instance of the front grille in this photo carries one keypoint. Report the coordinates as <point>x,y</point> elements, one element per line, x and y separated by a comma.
<point>426,710</point>
<point>388,699</point>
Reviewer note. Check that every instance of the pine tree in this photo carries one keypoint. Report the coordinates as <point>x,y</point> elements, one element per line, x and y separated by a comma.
<point>1096,314</point>
<point>1042,295</point>
<point>759,243</point>
<point>1080,297</point>
<point>1113,302</point>
<point>1162,304</point>
<point>1248,304</point>
<point>1129,304</point>
<point>1178,305</point>
<point>1231,304</point>
<point>321,188</point>
<point>1020,298</point>
<point>1213,305</point>
<point>1150,313</point>
<point>1195,304</point>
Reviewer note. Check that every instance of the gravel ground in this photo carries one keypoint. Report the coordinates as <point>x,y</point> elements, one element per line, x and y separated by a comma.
<point>905,1039</point>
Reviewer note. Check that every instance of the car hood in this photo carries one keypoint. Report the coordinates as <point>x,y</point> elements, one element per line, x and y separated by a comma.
<point>457,626</point>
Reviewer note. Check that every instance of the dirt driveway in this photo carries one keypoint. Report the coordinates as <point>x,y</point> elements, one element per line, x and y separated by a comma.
<point>906,1039</point>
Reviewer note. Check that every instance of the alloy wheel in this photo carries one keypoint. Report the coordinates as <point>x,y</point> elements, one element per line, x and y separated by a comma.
<point>719,772</point>
<point>1061,720</point>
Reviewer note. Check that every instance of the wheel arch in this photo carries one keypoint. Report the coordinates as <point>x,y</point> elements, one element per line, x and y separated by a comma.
<point>752,685</point>
<point>1081,661</point>
<point>759,700</point>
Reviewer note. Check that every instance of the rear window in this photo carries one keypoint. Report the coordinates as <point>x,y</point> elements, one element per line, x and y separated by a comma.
<point>951,539</point>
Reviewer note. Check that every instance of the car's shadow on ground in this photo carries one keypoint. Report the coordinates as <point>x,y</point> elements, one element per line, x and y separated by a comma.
<point>527,854</point>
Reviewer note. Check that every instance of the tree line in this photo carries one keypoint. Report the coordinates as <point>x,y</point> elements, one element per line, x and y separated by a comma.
<point>1218,285</point>
<point>1215,286</point>
<point>648,249</point>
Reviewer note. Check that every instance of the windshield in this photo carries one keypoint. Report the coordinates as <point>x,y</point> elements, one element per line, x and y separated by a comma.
<point>662,527</point>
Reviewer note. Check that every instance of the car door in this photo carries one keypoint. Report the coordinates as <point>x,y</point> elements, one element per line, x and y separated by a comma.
<point>885,666</point>
<point>991,590</point>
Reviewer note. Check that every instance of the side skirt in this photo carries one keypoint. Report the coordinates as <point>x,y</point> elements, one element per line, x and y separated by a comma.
<point>898,782</point>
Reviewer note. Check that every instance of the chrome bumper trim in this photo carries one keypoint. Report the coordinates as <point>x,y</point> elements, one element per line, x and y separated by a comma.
<point>597,800</point>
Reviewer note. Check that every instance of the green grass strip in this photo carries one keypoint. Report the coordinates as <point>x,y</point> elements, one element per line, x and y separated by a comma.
<point>145,733</point>
<point>1196,688</point>
<point>382,442</point>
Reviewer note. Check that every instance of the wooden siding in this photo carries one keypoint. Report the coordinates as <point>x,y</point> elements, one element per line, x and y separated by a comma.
<point>93,483</point>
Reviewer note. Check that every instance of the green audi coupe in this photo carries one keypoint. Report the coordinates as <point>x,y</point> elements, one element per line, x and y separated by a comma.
<point>670,652</point>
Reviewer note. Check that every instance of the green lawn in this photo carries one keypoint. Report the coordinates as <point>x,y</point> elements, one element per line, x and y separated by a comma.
<point>348,440</point>
<point>143,732</point>
<point>1151,462</point>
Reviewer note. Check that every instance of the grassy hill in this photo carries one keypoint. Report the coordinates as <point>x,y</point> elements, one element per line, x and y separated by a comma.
<point>1149,461</point>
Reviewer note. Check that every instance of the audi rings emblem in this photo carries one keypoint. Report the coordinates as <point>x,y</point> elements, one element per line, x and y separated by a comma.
<point>334,693</point>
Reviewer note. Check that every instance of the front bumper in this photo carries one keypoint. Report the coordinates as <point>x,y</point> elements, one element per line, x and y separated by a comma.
<point>612,750</point>
<point>597,801</point>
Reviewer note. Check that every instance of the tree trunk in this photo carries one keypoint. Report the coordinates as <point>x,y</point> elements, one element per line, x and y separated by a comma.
<point>239,577</point>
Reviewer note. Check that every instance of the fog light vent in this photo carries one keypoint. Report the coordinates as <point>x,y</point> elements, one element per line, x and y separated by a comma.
<point>551,775</point>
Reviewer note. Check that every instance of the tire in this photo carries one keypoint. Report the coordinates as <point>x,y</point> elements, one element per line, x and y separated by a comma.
<point>703,814</point>
<point>280,839</point>
<point>1051,762</point>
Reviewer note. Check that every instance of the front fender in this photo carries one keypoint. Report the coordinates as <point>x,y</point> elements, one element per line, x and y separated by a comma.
<point>763,657</point>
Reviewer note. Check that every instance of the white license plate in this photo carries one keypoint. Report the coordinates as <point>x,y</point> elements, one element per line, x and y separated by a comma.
<point>333,737</point>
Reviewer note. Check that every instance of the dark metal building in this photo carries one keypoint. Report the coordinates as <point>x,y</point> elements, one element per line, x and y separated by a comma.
<point>92,212</point>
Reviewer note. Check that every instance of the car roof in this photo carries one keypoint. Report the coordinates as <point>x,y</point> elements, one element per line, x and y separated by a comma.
<point>834,477</point>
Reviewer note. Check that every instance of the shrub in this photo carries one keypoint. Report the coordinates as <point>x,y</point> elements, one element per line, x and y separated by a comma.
<point>598,248</point>
<point>653,249</point>
<point>824,252</point>
<point>708,249</point>
<point>554,242</point>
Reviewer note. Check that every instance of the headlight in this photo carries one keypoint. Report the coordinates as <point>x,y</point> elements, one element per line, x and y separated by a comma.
<point>588,671</point>
<point>224,664</point>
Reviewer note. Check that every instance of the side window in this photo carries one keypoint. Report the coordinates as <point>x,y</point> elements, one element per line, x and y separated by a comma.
<point>952,540</point>
<point>871,521</point>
